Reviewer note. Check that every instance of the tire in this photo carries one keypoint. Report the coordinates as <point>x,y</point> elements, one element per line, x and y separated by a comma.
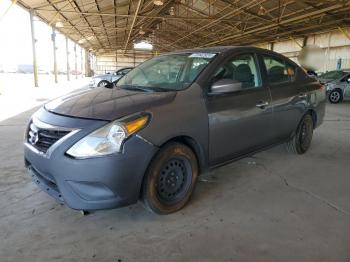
<point>170,179</point>
<point>102,83</point>
<point>335,96</point>
<point>301,140</point>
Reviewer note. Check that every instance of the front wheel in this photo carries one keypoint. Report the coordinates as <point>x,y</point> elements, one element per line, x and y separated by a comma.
<point>170,179</point>
<point>335,96</point>
<point>103,83</point>
<point>301,140</point>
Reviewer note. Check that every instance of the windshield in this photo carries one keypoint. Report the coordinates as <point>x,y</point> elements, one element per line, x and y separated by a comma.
<point>333,75</point>
<point>167,72</point>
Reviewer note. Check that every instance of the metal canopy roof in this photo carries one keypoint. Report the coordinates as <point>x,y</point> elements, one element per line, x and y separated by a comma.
<point>107,25</point>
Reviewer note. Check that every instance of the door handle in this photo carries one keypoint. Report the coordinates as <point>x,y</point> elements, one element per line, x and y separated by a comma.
<point>302,95</point>
<point>262,104</point>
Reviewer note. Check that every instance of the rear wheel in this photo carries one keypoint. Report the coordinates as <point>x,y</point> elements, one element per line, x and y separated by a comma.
<point>301,140</point>
<point>335,96</point>
<point>170,179</point>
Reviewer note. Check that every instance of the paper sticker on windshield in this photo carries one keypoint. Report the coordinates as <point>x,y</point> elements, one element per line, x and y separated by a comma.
<point>202,55</point>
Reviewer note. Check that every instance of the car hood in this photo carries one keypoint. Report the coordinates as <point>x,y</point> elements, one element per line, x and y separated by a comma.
<point>325,80</point>
<point>107,104</point>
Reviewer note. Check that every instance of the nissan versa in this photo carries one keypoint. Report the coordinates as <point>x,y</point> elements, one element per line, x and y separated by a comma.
<point>165,122</point>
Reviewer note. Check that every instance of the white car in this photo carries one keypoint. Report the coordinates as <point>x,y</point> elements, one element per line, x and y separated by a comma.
<point>103,80</point>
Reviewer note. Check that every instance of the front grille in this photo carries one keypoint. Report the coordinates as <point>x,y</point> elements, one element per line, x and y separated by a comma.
<point>43,138</point>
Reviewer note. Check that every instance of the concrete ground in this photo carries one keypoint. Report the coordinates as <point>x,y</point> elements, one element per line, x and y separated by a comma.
<point>273,206</point>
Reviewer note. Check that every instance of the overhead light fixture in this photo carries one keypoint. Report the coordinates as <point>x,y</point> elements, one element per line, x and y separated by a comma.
<point>59,23</point>
<point>158,2</point>
<point>81,41</point>
<point>262,11</point>
<point>90,37</point>
<point>143,45</point>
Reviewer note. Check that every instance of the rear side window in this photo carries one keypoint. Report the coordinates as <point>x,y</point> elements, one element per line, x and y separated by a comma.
<point>241,68</point>
<point>278,70</point>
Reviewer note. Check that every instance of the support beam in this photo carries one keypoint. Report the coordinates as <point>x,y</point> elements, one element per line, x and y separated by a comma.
<point>305,41</point>
<point>295,41</point>
<point>134,58</point>
<point>283,22</point>
<point>87,64</point>
<point>67,57</point>
<point>346,34</point>
<point>231,13</point>
<point>81,62</point>
<point>35,64</point>
<point>166,17</point>
<point>132,24</point>
<point>53,37</point>
<point>75,61</point>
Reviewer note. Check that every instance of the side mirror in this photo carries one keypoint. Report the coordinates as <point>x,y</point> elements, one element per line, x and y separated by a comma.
<point>225,86</point>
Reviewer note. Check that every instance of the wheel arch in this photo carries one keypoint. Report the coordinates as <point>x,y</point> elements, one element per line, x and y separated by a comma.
<point>313,114</point>
<point>194,146</point>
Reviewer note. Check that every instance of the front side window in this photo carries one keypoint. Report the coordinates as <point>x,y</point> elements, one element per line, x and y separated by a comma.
<point>333,75</point>
<point>278,70</point>
<point>168,72</point>
<point>241,68</point>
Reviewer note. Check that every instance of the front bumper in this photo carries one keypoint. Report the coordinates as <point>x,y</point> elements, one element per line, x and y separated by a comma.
<point>94,183</point>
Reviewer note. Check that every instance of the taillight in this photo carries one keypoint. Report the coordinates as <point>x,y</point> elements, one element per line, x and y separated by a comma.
<point>322,87</point>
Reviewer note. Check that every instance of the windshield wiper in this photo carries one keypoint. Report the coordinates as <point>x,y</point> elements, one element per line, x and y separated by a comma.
<point>146,88</point>
<point>137,88</point>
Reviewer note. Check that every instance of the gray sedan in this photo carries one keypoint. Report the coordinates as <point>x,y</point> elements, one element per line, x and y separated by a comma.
<point>338,85</point>
<point>104,80</point>
<point>168,120</point>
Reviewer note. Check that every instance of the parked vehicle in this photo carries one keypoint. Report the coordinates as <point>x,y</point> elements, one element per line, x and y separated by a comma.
<point>104,80</point>
<point>338,85</point>
<point>29,69</point>
<point>165,122</point>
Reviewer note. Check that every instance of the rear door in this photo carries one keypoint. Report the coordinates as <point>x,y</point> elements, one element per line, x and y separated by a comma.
<point>239,122</point>
<point>289,97</point>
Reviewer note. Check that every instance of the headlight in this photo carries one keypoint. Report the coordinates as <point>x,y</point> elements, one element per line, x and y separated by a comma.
<point>109,138</point>
<point>329,87</point>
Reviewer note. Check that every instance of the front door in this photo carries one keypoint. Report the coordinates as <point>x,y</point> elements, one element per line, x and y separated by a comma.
<point>239,122</point>
<point>346,82</point>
